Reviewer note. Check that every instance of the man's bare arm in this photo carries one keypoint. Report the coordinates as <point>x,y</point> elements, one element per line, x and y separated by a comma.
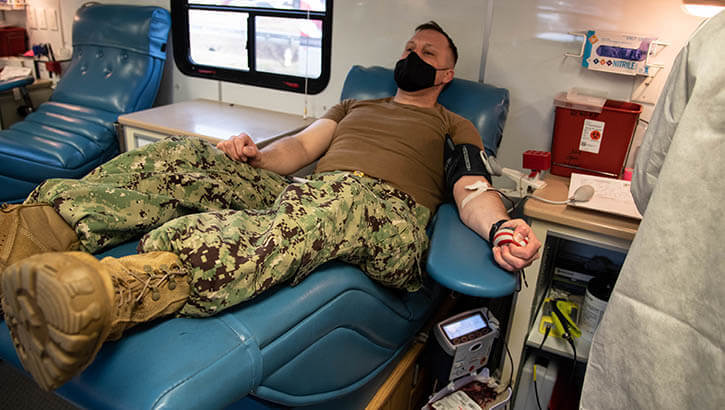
<point>483,211</point>
<point>286,155</point>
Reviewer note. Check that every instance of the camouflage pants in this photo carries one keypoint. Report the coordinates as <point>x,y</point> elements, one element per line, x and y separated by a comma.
<point>240,230</point>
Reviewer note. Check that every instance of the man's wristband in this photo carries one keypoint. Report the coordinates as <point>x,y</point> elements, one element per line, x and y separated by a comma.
<point>494,229</point>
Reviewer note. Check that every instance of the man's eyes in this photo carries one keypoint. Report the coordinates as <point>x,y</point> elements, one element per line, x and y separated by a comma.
<point>426,52</point>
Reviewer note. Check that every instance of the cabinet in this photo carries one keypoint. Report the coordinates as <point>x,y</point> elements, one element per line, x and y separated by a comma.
<point>211,120</point>
<point>561,229</point>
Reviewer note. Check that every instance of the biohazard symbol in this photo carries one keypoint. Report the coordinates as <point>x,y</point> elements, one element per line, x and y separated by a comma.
<point>595,135</point>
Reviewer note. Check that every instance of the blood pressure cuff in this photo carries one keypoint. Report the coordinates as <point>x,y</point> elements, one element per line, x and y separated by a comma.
<point>460,160</point>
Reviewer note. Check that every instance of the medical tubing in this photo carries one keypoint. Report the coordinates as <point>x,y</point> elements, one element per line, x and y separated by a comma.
<point>548,201</point>
<point>523,276</point>
<point>501,194</point>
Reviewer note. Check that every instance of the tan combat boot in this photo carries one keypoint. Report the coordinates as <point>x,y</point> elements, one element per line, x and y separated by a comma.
<point>26,230</point>
<point>61,307</point>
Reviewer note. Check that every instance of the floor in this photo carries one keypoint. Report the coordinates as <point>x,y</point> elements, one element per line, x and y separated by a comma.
<point>19,392</point>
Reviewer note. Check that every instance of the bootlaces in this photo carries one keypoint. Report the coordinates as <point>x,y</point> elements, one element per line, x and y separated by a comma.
<point>127,288</point>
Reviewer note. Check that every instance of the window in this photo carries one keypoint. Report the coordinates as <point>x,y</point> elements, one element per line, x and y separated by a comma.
<point>280,44</point>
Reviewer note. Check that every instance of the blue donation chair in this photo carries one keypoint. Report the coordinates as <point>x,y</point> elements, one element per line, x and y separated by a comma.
<point>327,343</point>
<point>116,68</point>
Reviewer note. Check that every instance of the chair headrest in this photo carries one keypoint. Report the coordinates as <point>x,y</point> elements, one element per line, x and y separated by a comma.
<point>140,29</point>
<point>484,105</point>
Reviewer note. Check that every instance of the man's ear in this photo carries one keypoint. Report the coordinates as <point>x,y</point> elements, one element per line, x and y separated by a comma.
<point>449,76</point>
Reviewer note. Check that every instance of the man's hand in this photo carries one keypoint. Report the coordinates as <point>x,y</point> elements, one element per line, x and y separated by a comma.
<point>481,212</point>
<point>513,257</point>
<point>241,148</point>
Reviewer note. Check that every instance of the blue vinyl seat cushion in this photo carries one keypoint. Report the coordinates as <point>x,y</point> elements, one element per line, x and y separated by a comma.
<point>323,341</point>
<point>116,67</point>
<point>287,346</point>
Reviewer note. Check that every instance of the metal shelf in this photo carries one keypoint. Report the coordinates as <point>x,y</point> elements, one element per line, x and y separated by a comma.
<point>12,7</point>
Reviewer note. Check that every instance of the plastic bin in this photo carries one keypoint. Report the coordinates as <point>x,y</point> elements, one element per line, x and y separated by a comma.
<point>546,374</point>
<point>590,142</point>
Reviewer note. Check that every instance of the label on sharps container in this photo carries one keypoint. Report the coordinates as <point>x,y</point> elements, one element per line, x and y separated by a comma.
<point>592,135</point>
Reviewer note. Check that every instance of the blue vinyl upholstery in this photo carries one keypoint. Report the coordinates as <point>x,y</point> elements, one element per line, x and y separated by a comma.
<point>16,82</point>
<point>484,105</point>
<point>325,343</point>
<point>118,58</point>
<point>456,258</point>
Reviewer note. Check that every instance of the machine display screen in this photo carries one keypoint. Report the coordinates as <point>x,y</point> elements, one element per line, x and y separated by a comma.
<point>464,326</point>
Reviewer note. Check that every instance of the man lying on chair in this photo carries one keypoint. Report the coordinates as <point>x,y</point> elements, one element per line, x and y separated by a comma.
<point>221,226</point>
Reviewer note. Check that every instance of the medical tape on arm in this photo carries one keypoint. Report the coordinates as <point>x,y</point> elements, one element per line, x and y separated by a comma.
<point>477,189</point>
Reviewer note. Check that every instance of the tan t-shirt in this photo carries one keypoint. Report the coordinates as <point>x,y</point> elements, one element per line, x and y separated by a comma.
<point>398,143</point>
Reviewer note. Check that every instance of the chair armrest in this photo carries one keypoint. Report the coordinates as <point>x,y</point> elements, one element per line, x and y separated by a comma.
<point>461,260</point>
<point>14,82</point>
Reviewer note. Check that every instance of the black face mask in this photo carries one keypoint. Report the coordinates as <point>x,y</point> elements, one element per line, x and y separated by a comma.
<point>413,74</point>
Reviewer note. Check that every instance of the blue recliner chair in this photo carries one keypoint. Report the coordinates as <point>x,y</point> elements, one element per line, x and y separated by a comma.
<point>325,343</point>
<point>116,68</point>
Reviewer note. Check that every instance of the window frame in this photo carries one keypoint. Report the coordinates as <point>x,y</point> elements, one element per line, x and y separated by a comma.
<point>286,82</point>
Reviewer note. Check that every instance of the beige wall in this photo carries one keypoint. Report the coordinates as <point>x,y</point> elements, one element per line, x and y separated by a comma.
<point>526,55</point>
<point>528,39</point>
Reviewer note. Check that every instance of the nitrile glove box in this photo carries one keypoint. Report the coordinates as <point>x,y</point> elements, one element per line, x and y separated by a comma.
<point>591,142</point>
<point>616,52</point>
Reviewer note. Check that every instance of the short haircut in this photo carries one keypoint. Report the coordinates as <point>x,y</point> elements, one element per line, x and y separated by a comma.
<point>432,25</point>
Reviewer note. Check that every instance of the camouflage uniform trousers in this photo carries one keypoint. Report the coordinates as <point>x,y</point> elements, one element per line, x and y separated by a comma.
<point>237,229</point>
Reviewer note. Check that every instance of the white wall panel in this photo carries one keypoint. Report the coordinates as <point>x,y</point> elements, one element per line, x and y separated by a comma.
<point>365,32</point>
<point>526,55</point>
<point>373,32</point>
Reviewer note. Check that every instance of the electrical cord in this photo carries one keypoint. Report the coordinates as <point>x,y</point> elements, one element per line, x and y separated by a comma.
<point>536,389</point>
<point>569,339</point>
<point>511,375</point>
<point>567,336</point>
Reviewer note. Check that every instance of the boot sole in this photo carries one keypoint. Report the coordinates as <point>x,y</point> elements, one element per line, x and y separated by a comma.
<point>58,314</point>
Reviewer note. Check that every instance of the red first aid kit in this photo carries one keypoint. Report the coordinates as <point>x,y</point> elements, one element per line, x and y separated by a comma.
<point>592,139</point>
